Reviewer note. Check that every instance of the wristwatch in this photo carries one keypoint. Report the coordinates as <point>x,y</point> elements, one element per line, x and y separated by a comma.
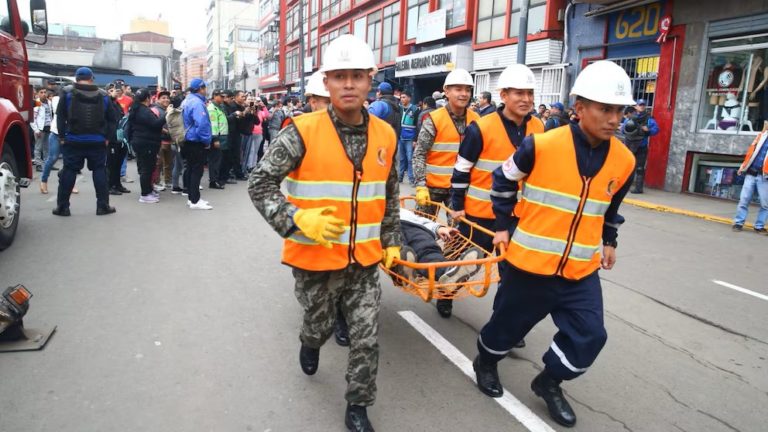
<point>612,243</point>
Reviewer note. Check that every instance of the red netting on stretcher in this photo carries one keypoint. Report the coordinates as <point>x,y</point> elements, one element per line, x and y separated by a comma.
<point>419,278</point>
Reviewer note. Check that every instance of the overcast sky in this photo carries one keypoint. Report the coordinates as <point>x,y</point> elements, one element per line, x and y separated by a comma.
<point>186,18</point>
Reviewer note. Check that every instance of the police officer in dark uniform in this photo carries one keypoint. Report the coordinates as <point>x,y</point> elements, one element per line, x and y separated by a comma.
<point>83,114</point>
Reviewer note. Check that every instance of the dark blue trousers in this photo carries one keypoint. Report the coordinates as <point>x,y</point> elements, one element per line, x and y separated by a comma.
<point>524,299</point>
<point>75,155</point>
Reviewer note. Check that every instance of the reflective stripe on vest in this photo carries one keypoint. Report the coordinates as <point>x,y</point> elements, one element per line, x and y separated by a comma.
<point>562,213</point>
<point>497,148</point>
<point>367,191</point>
<point>442,156</point>
<point>326,177</point>
<point>364,233</point>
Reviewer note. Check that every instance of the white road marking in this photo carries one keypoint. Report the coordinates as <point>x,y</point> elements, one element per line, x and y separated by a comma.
<point>525,416</point>
<point>740,289</point>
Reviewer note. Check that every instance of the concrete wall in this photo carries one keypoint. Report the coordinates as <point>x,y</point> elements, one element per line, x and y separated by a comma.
<point>582,32</point>
<point>685,135</point>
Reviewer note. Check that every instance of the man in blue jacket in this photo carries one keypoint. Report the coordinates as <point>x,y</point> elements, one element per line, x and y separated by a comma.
<point>196,141</point>
<point>641,127</point>
<point>82,117</point>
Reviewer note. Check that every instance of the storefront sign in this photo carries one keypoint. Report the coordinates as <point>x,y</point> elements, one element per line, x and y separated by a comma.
<point>431,27</point>
<point>434,61</point>
<point>637,23</point>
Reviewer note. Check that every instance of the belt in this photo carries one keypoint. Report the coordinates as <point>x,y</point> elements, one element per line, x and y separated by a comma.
<point>753,172</point>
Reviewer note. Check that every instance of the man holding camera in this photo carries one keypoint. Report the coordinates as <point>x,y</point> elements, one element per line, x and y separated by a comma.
<point>638,128</point>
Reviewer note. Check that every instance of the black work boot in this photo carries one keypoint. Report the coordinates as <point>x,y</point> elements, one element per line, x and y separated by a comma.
<point>340,330</point>
<point>487,378</point>
<point>444,307</point>
<point>101,211</point>
<point>548,389</point>
<point>309,358</point>
<point>59,211</point>
<point>356,419</point>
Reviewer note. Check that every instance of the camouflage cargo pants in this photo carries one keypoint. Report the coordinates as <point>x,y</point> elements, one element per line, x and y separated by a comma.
<point>436,195</point>
<point>358,292</point>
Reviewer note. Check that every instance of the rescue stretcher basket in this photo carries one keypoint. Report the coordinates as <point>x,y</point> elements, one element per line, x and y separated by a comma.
<point>423,282</point>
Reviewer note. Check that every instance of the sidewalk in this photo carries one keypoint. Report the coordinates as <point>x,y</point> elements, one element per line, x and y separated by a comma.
<point>702,207</point>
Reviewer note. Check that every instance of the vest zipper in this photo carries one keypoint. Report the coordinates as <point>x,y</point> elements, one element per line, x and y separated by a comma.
<point>353,223</point>
<point>575,224</point>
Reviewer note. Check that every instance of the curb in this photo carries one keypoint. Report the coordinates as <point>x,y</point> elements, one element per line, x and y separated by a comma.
<point>666,209</point>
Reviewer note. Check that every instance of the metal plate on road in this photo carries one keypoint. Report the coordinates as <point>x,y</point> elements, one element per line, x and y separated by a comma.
<point>35,341</point>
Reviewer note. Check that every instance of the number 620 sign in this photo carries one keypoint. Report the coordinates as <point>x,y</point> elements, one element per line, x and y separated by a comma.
<point>637,22</point>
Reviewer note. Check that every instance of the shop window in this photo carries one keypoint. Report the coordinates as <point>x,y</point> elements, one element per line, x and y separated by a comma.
<point>455,12</point>
<point>391,32</point>
<point>359,28</point>
<point>536,13</point>
<point>416,9</point>
<point>490,20</point>
<point>374,33</point>
<point>735,94</point>
<point>717,176</point>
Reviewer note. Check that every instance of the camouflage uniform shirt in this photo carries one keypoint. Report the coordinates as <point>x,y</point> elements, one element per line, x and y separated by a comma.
<point>425,141</point>
<point>286,153</point>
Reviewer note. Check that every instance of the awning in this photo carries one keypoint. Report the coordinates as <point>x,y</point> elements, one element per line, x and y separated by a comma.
<point>613,6</point>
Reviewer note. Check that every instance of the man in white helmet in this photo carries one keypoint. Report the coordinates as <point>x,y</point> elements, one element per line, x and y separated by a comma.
<point>341,217</point>
<point>575,179</point>
<point>317,95</point>
<point>487,143</point>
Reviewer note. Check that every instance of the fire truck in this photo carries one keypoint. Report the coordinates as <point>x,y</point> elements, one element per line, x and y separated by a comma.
<point>16,105</point>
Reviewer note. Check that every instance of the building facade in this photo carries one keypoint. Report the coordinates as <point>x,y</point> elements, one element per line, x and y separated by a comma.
<point>416,42</point>
<point>722,99</point>
<point>194,64</point>
<point>226,54</point>
<point>701,68</point>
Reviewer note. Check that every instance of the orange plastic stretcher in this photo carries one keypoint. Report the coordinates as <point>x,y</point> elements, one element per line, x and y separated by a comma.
<point>427,287</point>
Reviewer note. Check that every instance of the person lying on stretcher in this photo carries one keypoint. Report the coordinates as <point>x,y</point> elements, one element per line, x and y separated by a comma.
<point>420,245</point>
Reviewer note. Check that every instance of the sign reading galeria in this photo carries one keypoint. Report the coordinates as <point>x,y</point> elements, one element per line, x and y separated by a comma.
<point>434,61</point>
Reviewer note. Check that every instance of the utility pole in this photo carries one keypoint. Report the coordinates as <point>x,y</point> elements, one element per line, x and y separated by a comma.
<point>301,48</point>
<point>522,38</point>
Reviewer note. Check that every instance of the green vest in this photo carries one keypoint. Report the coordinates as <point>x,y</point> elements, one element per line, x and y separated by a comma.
<point>219,124</point>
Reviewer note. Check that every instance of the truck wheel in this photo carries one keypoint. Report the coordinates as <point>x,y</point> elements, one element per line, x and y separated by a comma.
<point>10,197</point>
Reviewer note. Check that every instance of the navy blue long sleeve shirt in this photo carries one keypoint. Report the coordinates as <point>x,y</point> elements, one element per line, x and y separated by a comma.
<point>590,160</point>
<point>470,149</point>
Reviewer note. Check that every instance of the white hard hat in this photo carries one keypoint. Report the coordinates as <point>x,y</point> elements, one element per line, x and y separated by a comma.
<point>606,82</point>
<point>315,86</point>
<point>348,52</point>
<point>518,76</point>
<point>459,77</point>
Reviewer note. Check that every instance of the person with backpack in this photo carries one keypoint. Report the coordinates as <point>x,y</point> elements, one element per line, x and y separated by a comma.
<point>407,136</point>
<point>116,148</point>
<point>82,117</point>
<point>175,125</point>
<point>387,107</point>
<point>146,127</point>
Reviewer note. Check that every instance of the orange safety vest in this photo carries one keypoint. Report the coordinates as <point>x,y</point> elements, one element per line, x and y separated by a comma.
<point>754,149</point>
<point>442,157</point>
<point>561,213</point>
<point>327,177</point>
<point>497,148</point>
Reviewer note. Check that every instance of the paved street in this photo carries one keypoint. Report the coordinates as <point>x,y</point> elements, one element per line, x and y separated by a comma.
<point>174,320</point>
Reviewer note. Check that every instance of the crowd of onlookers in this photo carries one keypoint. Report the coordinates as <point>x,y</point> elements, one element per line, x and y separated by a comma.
<point>137,127</point>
